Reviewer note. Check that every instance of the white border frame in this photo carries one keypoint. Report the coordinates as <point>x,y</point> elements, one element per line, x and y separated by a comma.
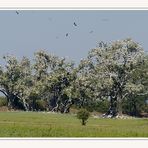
<point>74,5</point>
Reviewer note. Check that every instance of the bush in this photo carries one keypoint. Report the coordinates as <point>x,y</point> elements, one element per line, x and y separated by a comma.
<point>83,115</point>
<point>3,101</point>
<point>135,106</point>
<point>102,106</point>
<point>40,105</point>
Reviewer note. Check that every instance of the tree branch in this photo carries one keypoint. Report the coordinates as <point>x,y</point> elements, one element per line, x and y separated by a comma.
<point>4,92</point>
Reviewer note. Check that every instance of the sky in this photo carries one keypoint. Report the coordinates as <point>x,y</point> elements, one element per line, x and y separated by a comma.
<point>26,31</point>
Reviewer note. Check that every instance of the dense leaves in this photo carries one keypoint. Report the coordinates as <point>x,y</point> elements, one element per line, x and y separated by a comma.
<point>83,115</point>
<point>113,78</point>
<point>113,68</point>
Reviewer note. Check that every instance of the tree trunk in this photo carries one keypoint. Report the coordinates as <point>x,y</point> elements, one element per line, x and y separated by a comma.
<point>9,105</point>
<point>112,112</point>
<point>56,108</point>
<point>83,122</point>
<point>26,105</point>
<point>67,108</point>
<point>119,106</point>
<point>10,101</point>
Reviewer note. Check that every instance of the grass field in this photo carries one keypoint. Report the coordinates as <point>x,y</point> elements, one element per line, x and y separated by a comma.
<point>33,124</point>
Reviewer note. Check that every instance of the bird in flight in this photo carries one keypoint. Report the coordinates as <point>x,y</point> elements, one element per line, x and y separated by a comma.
<point>17,12</point>
<point>91,31</point>
<point>75,24</point>
<point>105,19</point>
<point>66,34</point>
<point>50,19</point>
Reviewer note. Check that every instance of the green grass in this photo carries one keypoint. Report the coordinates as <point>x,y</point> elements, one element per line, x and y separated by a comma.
<point>29,124</point>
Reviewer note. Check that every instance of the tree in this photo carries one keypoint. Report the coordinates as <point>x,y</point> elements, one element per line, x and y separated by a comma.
<point>83,88</point>
<point>47,79</point>
<point>135,105</point>
<point>53,75</point>
<point>116,72</point>
<point>111,67</point>
<point>83,115</point>
<point>136,100</point>
<point>15,82</point>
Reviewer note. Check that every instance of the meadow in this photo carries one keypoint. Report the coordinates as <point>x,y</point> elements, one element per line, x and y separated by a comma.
<point>39,124</point>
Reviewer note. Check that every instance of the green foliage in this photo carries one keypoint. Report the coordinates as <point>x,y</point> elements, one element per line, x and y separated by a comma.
<point>83,115</point>
<point>112,71</point>
<point>109,71</point>
<point>41,105</point>
<point>98,106</point>
<point>102,106</point>
<point>3,101</point>
<point>135,106</point>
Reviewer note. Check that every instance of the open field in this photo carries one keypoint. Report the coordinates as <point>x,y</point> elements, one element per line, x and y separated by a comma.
<point>38,124</point>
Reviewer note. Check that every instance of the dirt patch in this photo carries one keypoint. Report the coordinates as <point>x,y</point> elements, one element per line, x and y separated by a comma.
<point>144,115</point>
<point>3,109</point>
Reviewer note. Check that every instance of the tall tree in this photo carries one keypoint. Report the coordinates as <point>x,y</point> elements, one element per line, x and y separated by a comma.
<point>15,82</point>
<point>112,66</point>
<point>53,75</point>
<point>137,97</point>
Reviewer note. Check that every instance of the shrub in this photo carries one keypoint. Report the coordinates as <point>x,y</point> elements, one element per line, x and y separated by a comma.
<point>40,105</point>
<point>83,115</point>
<point>135,106</point>
<point>3,101</point>
<point>102,106</point>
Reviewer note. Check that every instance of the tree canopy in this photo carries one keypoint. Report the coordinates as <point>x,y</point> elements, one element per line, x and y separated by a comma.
<point>116,72</point>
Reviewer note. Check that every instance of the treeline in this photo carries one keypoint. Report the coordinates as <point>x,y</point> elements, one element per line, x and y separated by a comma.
<point>113,78</point>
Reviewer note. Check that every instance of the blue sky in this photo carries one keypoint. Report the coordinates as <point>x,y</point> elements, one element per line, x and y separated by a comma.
<point>24,33</point>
